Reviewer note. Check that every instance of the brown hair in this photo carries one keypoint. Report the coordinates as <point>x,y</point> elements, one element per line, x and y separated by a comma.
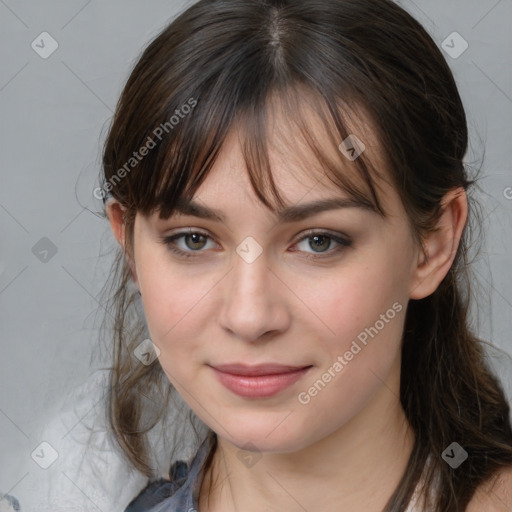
<point>226,59</point>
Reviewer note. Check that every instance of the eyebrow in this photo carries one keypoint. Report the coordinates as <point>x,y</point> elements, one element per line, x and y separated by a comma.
<point>288,214</point>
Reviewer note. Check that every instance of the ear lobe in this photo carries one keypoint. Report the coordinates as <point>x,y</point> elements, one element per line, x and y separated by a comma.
<point>440,245</point>
<point>115,212</point>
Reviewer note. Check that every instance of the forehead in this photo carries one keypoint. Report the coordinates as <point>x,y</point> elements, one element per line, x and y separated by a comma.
<point>301,148</point>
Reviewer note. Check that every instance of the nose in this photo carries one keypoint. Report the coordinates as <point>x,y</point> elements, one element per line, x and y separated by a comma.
<point>254,305</point>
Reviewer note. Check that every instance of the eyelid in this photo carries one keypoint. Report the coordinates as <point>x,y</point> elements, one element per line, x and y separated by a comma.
<point>168,240</point>
<point>343,241</point>
<point>336,235</point>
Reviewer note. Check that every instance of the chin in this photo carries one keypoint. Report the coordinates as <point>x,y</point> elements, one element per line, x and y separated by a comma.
<point>271,436</point>
<point>258,442</point>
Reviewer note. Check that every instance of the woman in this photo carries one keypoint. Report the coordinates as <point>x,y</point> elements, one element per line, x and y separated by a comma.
<point>286,182</point>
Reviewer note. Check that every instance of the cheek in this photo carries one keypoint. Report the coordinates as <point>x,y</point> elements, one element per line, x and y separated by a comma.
<point>356,298</point>
<point>178,306</point>
<point>364,311</point>
<point>166,295</point>
<point>170,302</point>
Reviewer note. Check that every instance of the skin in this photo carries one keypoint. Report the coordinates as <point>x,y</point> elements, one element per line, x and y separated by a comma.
<point>348,447</point>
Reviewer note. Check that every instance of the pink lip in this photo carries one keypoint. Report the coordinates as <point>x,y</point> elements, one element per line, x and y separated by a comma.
<point>258,381</point>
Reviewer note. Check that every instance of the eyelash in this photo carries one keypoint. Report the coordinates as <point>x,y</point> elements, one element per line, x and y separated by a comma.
<point>168,241</point>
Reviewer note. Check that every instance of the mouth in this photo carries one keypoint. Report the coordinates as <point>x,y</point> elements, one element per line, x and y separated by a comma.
<point>259,381</point>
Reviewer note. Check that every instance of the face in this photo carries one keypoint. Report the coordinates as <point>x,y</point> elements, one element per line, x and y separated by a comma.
<point>324,296</point>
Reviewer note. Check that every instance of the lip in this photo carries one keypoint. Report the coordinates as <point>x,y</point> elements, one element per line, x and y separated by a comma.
<point>258,381</point>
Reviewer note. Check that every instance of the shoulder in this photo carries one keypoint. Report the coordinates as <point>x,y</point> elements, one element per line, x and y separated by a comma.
<point>494,495</point>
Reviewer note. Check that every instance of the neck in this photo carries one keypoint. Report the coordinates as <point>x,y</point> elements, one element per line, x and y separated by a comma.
<point>355,468</point>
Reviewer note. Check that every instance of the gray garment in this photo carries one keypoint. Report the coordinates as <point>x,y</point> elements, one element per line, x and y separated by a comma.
<point>180,494</point>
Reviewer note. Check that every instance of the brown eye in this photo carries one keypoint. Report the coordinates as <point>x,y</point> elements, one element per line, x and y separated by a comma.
<point>197,241</point>
<point>193,242</point>
<point>320,243</point>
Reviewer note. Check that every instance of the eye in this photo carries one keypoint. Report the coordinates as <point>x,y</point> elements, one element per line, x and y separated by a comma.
<point>320,241</point>
<point>194,241</point>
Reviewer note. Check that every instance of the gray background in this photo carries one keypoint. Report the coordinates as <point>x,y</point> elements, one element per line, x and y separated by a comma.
<point>54,113</point>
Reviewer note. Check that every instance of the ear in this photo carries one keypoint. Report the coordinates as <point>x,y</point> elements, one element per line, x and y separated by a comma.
<point>440,245</point>
<point>115,211</point>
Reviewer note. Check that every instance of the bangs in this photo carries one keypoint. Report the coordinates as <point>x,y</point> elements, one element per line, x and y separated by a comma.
<point>295,123</point>
<point>256,71</point>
